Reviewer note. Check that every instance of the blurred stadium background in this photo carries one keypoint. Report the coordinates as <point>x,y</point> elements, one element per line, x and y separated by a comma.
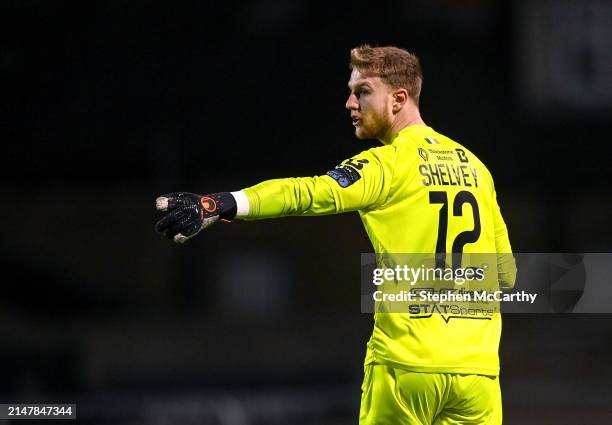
<point>107,104</point>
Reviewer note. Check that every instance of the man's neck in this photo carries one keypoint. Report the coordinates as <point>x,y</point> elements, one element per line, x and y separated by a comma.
<point>401,123</point>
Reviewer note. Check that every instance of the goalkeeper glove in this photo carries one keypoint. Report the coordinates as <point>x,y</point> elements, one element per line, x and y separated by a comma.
<point>188,213</point>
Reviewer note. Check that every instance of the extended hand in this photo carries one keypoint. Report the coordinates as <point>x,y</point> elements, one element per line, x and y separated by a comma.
<point>187,214</point>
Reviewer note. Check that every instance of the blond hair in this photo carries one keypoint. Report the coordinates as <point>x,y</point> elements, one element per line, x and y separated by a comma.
<point>396,67</point>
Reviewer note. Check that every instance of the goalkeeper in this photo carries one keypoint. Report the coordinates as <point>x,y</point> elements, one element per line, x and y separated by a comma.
<point>417,371</point>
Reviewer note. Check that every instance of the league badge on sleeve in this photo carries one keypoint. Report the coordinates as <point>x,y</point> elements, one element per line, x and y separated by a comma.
<point>347,173</point>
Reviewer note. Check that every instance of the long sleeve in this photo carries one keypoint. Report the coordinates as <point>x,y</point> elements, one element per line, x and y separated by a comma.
<point>360,183</point>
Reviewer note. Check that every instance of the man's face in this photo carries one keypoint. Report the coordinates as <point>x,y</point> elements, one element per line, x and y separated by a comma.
<point>370,104</point>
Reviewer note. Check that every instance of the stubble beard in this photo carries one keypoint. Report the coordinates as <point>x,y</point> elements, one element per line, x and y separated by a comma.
<point>375,129</point>
<point>363,129</point>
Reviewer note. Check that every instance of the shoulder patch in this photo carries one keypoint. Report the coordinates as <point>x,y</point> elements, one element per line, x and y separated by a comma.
<point>345,175</point>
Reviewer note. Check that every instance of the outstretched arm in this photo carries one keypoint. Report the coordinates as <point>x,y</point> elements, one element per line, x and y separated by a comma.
<point>362,182</point>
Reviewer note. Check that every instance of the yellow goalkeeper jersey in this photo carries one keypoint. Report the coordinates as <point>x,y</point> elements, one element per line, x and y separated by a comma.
<point>422,193</point>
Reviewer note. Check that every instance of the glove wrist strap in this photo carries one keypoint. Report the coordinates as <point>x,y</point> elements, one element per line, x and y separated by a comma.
<point>227,205</point>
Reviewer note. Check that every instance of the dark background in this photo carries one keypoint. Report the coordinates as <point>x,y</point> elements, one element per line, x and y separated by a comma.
<point>106,105</point>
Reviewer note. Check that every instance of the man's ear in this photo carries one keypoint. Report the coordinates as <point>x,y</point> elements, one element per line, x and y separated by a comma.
<point>400,97</point>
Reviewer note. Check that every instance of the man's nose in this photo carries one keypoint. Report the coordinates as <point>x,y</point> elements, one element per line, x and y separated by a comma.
<point>351,102</point>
